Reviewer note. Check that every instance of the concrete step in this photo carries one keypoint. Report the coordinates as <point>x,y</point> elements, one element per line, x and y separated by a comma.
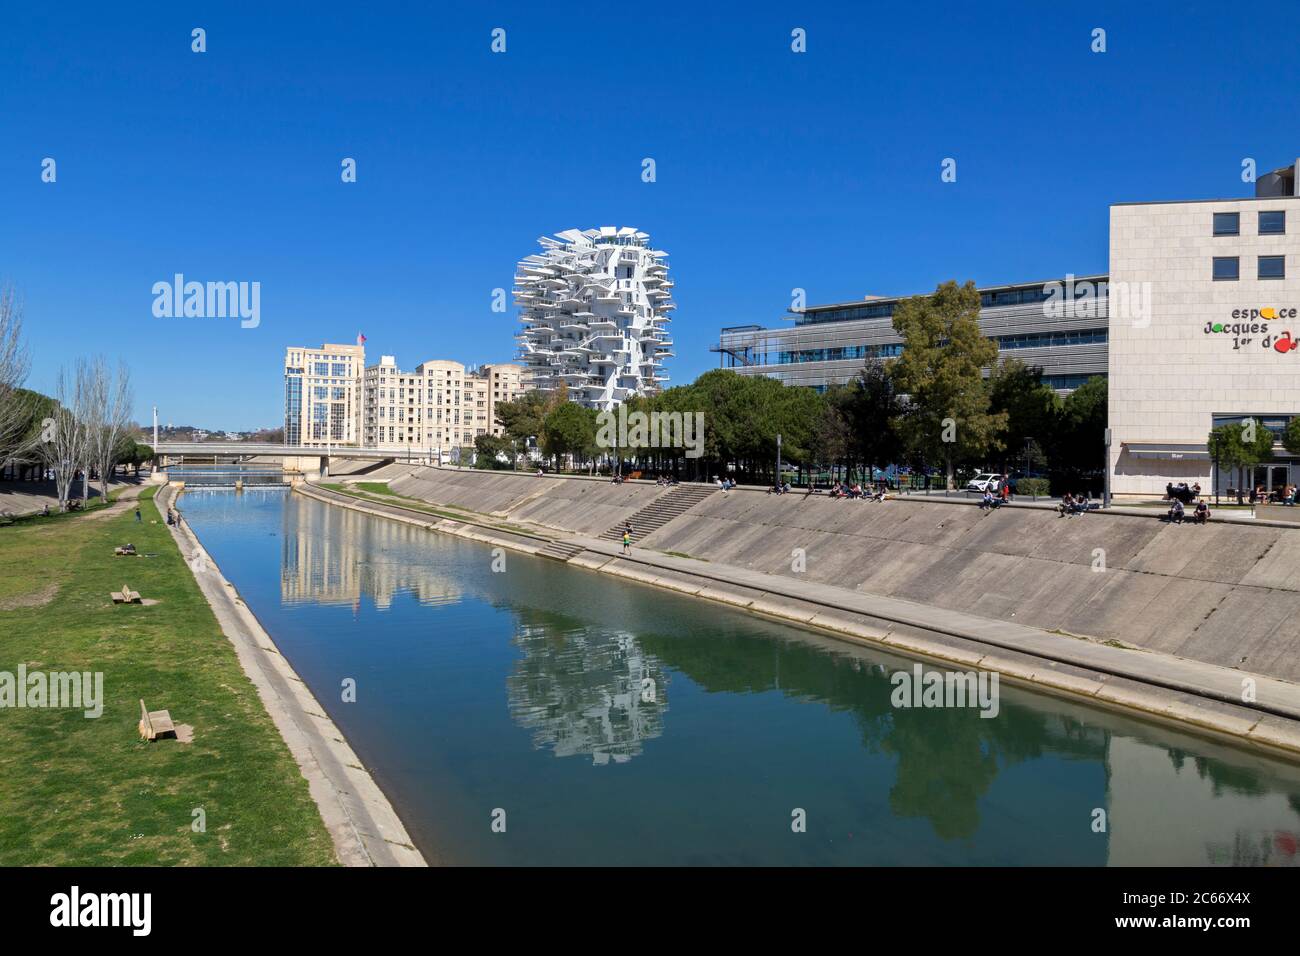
<point>659,512</point>
<point>560,550</point>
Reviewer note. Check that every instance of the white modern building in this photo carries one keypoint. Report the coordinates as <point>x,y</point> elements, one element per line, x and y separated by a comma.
<point>595,307</point>
<point>1204,323</point>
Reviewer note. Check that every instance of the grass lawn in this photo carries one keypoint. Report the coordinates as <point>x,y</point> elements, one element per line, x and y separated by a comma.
<point>377,488</point>
<point>78,791</point>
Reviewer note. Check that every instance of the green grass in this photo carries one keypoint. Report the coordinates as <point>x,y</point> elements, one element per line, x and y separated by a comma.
<point>78,791</point>
<point>377,488</point>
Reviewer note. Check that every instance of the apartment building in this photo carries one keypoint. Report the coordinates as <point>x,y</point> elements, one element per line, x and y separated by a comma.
<point>437,408</point>
<point>322,398</point>
<point>595,306</point>
<point>502,383</point>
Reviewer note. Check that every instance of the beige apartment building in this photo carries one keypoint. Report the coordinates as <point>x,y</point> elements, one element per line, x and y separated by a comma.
<point>322,398</point>
<point>437,408</point>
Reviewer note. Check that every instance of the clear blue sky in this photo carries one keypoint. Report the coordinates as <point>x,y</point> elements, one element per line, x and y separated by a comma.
<point>775,170</point>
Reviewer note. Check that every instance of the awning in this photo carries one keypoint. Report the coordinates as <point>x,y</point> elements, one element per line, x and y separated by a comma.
<point>1168,450</point>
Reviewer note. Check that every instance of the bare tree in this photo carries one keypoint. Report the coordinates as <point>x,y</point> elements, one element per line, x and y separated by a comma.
<point>64,437</point>
<point>108,417</point>
<point>15,412</point>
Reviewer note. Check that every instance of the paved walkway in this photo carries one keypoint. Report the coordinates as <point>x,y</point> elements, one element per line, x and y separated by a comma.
<point>23,498</point>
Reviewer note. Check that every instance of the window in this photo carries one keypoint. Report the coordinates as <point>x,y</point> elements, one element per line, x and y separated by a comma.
<point>1272,267</point>
<point>1227,224</point>
<point>1272,223</point>
<point>1226,268</point>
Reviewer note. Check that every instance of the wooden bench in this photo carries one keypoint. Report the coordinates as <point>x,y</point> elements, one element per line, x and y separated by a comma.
<point>125,596</point>
<point>155,723</point>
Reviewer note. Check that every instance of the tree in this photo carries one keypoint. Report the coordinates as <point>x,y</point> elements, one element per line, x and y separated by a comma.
<point>1240,445</point>
<point>15,407</point>
<point>489,447</point>
<point>1291,437</point>
<point>874,408</point>
<point>27,412</point>
<point>521,419</point>
<point>940,370</point>
<point>107,418</point>
<point>65,440</point>
<point>567,430</point>
<point>1079,443</point>
<point>140,453</point>
<point>831,438</point>
<point>1033,409</point>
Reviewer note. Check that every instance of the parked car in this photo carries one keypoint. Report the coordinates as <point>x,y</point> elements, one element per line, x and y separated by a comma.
<point>984,481</point>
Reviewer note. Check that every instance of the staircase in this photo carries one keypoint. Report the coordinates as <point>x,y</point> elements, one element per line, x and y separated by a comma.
<point>660,511</point>
<point>560,550</point>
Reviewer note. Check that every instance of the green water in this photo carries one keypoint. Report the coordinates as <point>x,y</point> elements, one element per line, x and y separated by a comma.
<point>614,723</point>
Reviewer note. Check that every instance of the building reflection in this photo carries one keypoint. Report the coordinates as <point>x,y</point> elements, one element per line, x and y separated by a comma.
<point>337,556</point>
<point>584,692</point>
<point>582,688</point>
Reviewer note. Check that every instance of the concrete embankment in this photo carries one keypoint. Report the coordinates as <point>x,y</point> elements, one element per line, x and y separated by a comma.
<point>760,535</point>
<point>365,828</point>
<point>1223,594</point>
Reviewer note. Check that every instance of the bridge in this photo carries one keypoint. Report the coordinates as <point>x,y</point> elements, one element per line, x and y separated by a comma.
<point>245,449</point>
<point>293,458</point>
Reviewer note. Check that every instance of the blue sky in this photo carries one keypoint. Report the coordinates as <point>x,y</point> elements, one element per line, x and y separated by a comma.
<point>775,170</point>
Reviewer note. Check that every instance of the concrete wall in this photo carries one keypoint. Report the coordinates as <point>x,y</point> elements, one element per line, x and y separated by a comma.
<point>1226,594</point>
<point>578,505</point>
<point>1216,593</point>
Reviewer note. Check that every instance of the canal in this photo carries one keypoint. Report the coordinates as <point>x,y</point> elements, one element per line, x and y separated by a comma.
<point>615,723</point>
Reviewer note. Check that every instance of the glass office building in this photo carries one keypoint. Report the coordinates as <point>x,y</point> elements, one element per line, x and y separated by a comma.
<point>1060,325</point>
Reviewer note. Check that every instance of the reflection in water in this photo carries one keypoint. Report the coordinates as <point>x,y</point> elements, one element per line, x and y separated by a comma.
<point>578,689</point>
<point>336,556</point>
<point>474,683</point>
<point>580,692</point>
<point>946,760</point>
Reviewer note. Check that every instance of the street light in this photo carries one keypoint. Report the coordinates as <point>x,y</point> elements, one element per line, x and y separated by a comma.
<point>1105,495</point>
<point>1033,495</point>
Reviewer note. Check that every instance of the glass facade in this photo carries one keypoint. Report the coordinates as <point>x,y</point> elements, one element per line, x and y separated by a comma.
<point>293,409</point>
<point>1060,326</point>
<point>772,354</point>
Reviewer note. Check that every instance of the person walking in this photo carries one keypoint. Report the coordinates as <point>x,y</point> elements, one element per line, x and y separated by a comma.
<point>138,519</point>
<point>627,540</point>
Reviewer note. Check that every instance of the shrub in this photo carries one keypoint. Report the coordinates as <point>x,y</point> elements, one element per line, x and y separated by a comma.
<point>1033,486</point>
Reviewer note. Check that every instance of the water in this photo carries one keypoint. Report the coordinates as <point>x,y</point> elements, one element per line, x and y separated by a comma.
<point>226,474</point>
<point>523,691</point>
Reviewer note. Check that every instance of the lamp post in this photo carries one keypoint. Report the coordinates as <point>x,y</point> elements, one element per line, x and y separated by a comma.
<point>778,461</point>
<point>1034,496</point>
<point>1105,495</point>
